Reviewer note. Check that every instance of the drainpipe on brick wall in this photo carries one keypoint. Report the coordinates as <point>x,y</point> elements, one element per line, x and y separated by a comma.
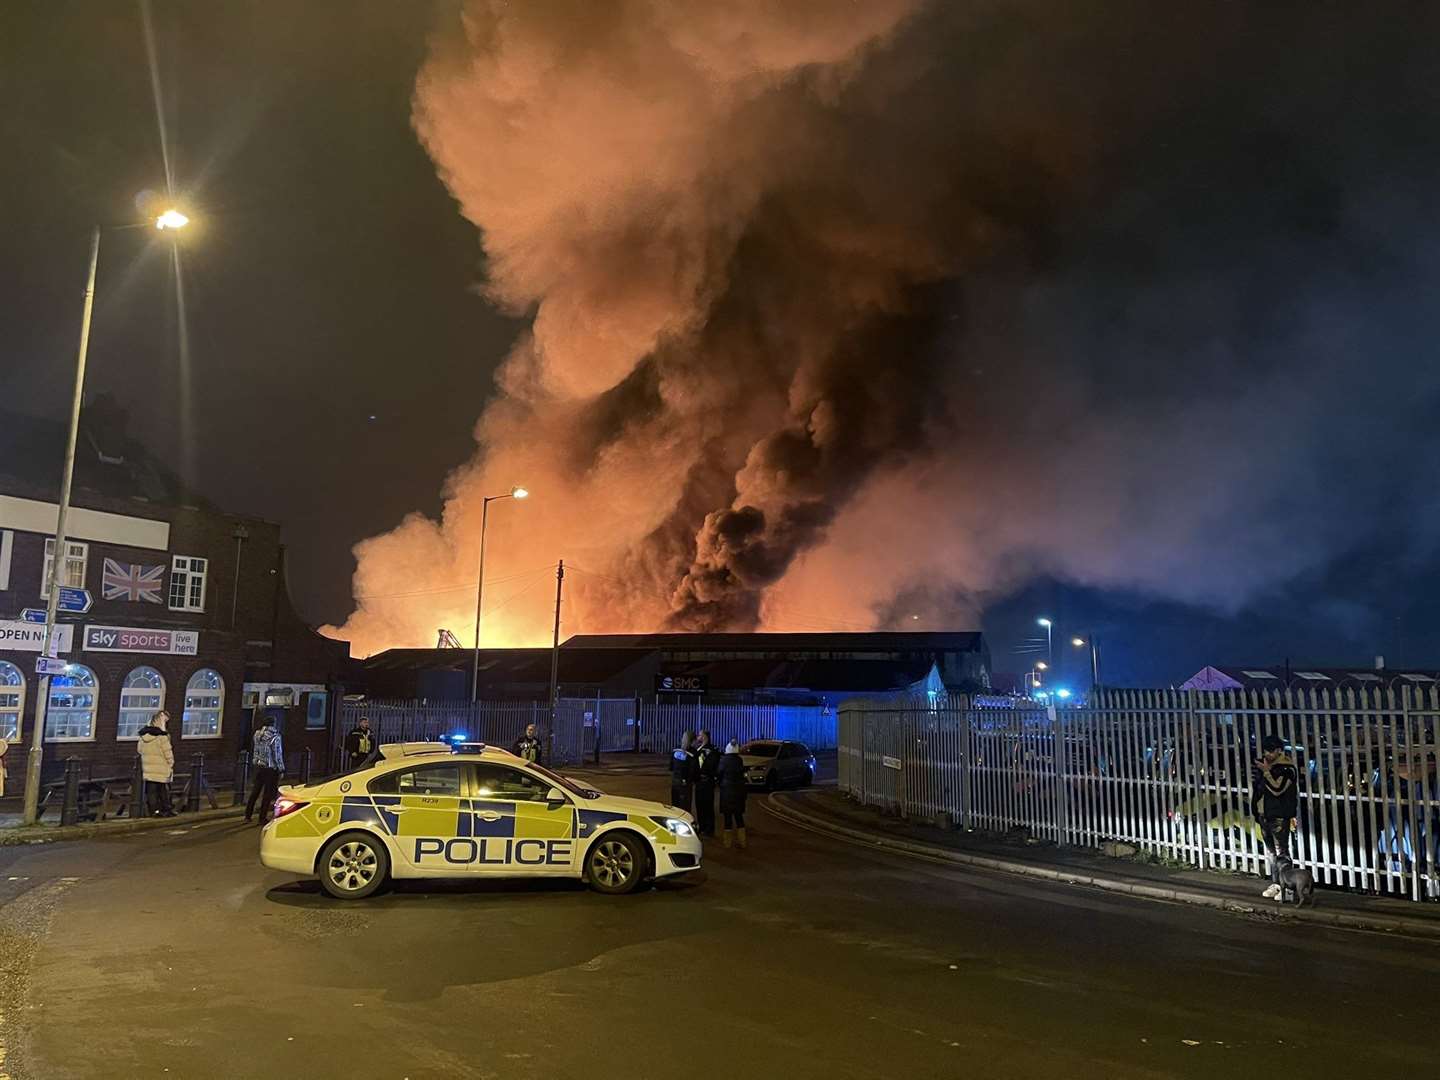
<point>241,534</point>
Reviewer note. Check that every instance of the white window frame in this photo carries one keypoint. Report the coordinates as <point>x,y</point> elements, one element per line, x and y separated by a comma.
<point>184,572</point>
<point>218,709</point>
<point>148,709</point>
<point>94,709</point>
<point>19,691</point>
<point>74,549</point>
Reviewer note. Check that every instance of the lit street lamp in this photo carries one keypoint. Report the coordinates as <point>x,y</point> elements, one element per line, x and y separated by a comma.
<point>516,492</point>
<point>1049,638</point>
<point>1094,644</point>
<point>169,219</point>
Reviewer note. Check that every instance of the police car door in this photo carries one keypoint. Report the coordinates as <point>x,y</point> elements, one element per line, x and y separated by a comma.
<point>421,807</point>
<point>525,832</point>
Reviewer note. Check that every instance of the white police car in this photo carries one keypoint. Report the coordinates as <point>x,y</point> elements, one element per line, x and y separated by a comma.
<point>432,810</point>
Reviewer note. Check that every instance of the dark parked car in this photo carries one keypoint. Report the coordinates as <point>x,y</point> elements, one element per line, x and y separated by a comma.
<point>773,763</point>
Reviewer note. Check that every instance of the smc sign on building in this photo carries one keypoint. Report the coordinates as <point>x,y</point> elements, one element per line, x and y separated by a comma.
<point>137,639</point>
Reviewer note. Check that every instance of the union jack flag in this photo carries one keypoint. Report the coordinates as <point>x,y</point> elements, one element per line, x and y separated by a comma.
<point>135,583</point>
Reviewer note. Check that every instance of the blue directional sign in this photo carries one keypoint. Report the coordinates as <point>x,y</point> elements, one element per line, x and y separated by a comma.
<point>49,665</point>
<point>33,614</point>
<point>75,601</point>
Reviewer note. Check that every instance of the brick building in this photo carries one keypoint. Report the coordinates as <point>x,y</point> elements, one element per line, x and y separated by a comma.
<point>190,611</point>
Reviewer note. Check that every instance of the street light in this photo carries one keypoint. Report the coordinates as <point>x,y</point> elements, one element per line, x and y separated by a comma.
<point>1094,645</point>
<point>516,492</point>
<point>1049,638</point>
<point>170,219</point>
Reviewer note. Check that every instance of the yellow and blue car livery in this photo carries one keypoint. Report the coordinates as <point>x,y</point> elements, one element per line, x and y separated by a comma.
<point>436,810</point>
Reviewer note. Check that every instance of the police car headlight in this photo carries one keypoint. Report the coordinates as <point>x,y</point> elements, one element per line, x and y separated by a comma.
<point>675,825</point>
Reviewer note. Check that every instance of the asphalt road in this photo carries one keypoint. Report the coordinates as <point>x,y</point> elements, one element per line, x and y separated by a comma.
<point>179,955</point>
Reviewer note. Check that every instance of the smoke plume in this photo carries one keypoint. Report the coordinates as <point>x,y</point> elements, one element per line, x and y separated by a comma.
<point>843,313</point>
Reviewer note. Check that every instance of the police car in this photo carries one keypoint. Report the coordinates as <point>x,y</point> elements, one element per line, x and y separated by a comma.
<point>437,810</point>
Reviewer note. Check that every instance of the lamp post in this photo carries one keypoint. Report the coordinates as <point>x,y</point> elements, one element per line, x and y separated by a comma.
<point>1049,639</point>
<point>169,219</point>
<point>1094,645</point>
<point>516,492</point>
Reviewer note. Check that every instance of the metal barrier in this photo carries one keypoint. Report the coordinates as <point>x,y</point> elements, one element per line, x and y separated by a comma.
<point>1171,773</point>
<point>661,726</point>
<point>242,778</point>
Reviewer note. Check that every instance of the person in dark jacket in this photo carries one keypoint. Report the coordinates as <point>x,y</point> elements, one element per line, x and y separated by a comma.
<point>528,745</point>
<point>683,773</point>
<point>707,760</point>
<point>1275,803</point>
<point>731,774</point>
<point>360,745</point>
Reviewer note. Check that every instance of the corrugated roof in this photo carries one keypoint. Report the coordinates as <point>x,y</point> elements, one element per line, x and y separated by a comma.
<point>880,640</point>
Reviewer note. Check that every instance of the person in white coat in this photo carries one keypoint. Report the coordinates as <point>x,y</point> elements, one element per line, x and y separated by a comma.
<point>157,758</point>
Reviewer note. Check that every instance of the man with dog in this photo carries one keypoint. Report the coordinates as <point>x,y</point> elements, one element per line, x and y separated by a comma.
<point>1275,804</point>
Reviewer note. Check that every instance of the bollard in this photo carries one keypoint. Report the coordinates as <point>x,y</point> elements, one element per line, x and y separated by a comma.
<point>137,790</point>
<point>242,777</point>
<point>70,808</point>
<point>197,781</point>
<point>305,762</point>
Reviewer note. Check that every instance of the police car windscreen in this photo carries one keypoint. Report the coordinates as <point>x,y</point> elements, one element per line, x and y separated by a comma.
<point>568,785</point>
<point>761,749</point>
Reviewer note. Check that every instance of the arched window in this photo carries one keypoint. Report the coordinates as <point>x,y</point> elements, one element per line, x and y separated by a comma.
<point>142,696</point>
<point>71,714</point>
<point>204,704</point>
<point>12,701</point>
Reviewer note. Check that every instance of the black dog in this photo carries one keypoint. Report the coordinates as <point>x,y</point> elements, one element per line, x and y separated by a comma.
<point>1296,881</point>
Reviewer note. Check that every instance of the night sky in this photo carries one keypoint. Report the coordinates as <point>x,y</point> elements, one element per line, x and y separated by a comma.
<point>1230,280</point>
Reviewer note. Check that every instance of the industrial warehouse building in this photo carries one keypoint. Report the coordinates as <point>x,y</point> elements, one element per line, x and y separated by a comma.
<point>188,611</point>
<point>789,669</point>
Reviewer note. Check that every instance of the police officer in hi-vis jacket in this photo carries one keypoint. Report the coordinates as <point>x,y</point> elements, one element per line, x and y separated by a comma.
<point>683,770</point>
<point>707,761</point>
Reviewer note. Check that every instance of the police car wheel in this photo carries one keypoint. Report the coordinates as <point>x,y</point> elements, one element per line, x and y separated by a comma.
<point>771,781</point>
<point>353,866</point>
<point>615,864</point>
<point>807,778</point>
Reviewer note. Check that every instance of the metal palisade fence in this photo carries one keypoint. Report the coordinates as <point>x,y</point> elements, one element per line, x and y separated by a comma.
<point>1171,773</point>
<point>615,724</point>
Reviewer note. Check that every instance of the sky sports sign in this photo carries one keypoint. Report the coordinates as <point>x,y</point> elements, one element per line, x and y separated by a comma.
<point>136,639</point>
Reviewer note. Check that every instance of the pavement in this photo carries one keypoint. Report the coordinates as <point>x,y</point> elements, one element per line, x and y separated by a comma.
<point>824,808</point>
<point>174,953</point>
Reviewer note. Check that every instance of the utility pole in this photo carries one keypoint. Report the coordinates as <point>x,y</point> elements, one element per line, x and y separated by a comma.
<point>59,563</point>
<point>555,661</point>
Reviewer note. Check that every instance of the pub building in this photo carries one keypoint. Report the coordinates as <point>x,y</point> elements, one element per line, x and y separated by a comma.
<point>172,603</point>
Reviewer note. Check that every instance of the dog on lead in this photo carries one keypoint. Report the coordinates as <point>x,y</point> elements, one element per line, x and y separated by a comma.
<point>1296,881</point>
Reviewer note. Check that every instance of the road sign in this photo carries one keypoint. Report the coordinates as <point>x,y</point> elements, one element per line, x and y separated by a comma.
<point>33,614</point>
<point>49,665</point>
<point>75,601</point>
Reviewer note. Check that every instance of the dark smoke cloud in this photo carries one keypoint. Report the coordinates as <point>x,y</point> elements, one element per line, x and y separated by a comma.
<point>840,307</point>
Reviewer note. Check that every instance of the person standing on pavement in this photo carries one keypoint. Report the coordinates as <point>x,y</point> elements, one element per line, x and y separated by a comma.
<point>731,774</point>
<point>527,746</point>
<point>359,745</point>
<point>157,764</point>
<point>268,757</point>
<point>682,773</point>
<point>707,760</point>
<point>4,749</point>
<point>1274,800</point>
